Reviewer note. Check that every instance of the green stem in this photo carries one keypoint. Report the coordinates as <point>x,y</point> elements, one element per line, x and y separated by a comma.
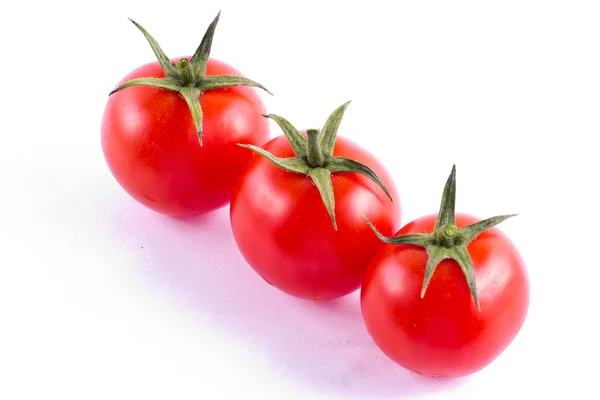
<point>187,73</point>
<point>447,236</point>
<point>315,155</point>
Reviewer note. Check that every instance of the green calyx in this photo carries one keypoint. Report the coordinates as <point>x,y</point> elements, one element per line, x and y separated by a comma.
<point>314,157</point>
<point>187,77</point>
<point>447,240</point>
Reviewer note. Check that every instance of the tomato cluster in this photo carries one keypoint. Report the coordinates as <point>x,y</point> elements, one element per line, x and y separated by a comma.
<point>316,215</point>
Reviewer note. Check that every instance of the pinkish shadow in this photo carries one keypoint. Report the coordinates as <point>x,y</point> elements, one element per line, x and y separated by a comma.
<point>321,344</point>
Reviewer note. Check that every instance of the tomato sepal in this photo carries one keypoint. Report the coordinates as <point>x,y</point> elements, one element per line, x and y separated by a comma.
<point>322,179</point>
<point>292,164</point>
<point>447,241</point>
<point>342,164</point>
<point>298,141</point>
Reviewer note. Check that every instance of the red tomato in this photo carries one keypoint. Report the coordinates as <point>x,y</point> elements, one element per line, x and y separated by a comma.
<point>151,144</point>
<point>443,334</point>
<point>284,232</point>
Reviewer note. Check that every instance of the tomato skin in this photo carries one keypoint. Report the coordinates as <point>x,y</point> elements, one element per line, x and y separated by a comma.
<point>151,146</point>
<point>284,232</point>
<point>443,334</point>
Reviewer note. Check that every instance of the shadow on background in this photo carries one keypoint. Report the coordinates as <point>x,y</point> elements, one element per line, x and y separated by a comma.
<point>324,345</point>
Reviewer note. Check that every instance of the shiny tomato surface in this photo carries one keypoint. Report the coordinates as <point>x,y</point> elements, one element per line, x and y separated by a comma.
<point>151,144</point>
<point>284,232</point>
<point>443,334</point>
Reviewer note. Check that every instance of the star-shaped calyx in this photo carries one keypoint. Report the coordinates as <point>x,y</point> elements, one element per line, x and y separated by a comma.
<point>314,157</point>
<point>187,77</point>
<point>447,240</point>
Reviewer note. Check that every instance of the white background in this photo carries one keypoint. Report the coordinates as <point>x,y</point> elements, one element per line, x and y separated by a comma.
<point>101,298</point>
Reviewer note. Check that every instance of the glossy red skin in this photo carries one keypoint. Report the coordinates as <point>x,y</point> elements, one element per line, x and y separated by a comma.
<point>443,334</point>
<point>151,145</point>
<point>284,232</point>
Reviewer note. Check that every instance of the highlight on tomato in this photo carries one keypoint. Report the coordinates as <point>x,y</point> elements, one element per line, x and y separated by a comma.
<point>447,294</point>
<point>170,130</point>
<point>296,211</point>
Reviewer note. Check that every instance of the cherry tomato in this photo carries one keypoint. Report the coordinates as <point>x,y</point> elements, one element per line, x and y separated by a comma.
<point>283,229</point>
<point>441,332</point>
<point>152,148</point>
<point>151,140</point>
